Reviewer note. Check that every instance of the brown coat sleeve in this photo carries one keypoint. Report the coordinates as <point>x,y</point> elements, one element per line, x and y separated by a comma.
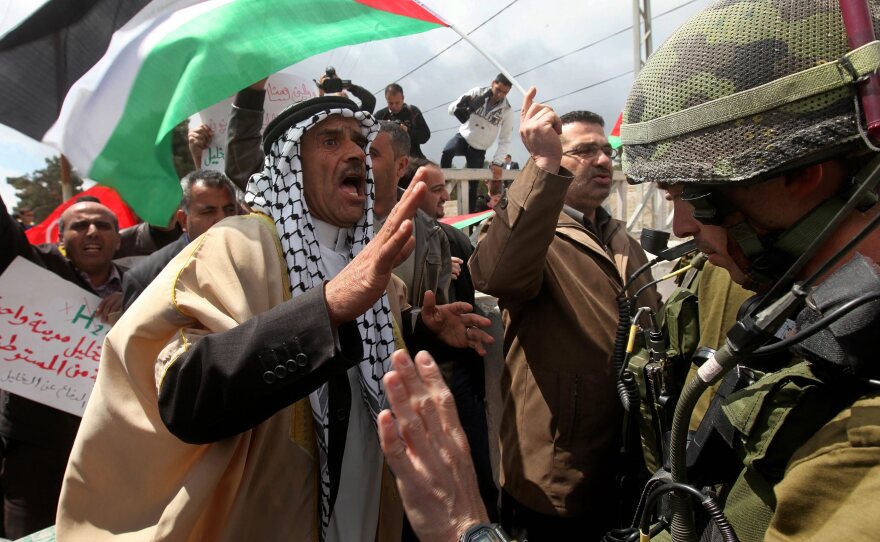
<point>510,257</point>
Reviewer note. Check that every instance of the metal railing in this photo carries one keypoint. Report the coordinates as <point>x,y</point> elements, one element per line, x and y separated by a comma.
<point>649,207</point>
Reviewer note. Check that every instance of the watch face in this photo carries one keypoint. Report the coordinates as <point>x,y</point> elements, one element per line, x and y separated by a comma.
<point>483,533</point>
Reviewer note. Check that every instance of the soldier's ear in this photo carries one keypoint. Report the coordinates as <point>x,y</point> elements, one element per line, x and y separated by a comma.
<point>805,183</point>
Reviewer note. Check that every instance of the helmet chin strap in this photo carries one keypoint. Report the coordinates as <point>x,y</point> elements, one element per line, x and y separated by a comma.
<point>772,256</point>
<point>775,259</point>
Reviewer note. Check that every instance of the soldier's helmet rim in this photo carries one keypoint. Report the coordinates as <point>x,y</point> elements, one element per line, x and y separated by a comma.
<point>744,90</point>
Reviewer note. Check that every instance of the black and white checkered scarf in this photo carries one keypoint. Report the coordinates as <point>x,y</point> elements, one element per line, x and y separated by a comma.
<point>278,192</point>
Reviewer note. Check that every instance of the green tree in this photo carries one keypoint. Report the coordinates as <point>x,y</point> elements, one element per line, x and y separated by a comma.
<point>40,190</point>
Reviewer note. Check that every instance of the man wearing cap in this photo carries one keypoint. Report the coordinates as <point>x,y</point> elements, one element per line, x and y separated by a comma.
<point>238,401</point>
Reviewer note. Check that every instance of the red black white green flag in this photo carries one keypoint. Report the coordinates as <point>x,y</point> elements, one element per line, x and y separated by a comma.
<point>463,221</point>
<point>614,136</point>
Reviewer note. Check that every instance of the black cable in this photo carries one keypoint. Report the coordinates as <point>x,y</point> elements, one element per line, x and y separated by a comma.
<point>817,326</point>
<point>638,272</point>
<point>631,534</point>
<point>641,290</point>
<point>447,48</point>
<point>869,227</point>
<point>600,40</point>
<point>660,491</point>
<point>625,308</point>
<point>707,500</point>
<point>783,283</point>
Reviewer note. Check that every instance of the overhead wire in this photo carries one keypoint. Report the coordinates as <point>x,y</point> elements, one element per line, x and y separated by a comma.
<point>361,51</point>
<point>345,57</point>
<point>600,40</point>
<point>602,82</point>
<point>451,45</point>
<point>560,57</point>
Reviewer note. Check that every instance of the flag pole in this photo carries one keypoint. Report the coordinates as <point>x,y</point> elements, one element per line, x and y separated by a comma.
<point>480,50</point>
<point>66,187</point>
<point>490,58</point>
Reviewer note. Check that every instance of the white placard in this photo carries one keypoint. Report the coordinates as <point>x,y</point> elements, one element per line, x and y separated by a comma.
<point>50,340</point>
<point>282,90</point>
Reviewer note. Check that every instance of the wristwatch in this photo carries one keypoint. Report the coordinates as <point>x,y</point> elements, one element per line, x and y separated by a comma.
<point>485,532</point>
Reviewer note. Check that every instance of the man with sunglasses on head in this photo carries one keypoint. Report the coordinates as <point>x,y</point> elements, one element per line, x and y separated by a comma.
<point>556,261</point>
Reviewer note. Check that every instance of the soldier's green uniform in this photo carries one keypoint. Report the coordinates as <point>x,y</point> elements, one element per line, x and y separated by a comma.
<point>745,91</point>
<point>720,299</point>
<point>697,313</point>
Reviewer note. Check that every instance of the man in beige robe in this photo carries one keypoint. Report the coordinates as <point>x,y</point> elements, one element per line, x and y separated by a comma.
<point>202,422</point>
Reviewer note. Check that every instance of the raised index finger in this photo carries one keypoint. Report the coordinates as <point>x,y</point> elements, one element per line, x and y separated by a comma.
<point>527,101</point>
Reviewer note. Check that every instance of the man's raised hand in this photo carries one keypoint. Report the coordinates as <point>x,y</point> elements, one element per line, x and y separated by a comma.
<point>357,287</point>
<point>428,452</point>
<point>456,324</point>
<point>539,129</point>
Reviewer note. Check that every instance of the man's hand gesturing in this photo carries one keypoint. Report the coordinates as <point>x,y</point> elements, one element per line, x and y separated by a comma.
<point>428,451</point>
<point>539,128</point>
<point>357,287</point>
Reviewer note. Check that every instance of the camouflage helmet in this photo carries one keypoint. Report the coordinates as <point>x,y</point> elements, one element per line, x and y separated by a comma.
<point>747,89</point>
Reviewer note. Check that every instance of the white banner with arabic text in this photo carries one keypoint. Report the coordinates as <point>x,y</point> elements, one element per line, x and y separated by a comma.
<point>50,340</point>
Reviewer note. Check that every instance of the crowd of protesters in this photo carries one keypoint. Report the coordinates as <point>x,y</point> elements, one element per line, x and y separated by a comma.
<point>433,302</point>
<point>266,333</point>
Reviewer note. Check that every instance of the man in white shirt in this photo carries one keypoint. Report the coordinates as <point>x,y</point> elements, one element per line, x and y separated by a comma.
<point>485,115</point>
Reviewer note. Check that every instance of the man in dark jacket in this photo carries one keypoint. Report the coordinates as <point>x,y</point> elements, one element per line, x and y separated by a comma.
<point>208,198</point>
<point>408,116</point>
<point>462,368</point>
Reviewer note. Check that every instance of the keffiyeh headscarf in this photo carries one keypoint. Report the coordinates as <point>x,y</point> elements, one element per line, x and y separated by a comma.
<point>278,192</point>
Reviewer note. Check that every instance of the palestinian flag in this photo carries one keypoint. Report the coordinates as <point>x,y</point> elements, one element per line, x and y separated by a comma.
<point>105,81</point>
<point>614,136</point>
<point>463,221</point>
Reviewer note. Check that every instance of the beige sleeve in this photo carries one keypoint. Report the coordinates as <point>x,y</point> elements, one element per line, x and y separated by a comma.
<point>214,292</point>
<point>831,488</point>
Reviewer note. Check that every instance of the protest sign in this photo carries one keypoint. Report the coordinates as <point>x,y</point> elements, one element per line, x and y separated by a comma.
<point>282,90</point>
<point>50,340</point>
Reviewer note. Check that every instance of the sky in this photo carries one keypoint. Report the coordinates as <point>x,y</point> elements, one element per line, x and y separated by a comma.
<point>519,34</point>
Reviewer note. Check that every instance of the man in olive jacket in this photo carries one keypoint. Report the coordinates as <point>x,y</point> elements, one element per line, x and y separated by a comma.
<point>556,261</point>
